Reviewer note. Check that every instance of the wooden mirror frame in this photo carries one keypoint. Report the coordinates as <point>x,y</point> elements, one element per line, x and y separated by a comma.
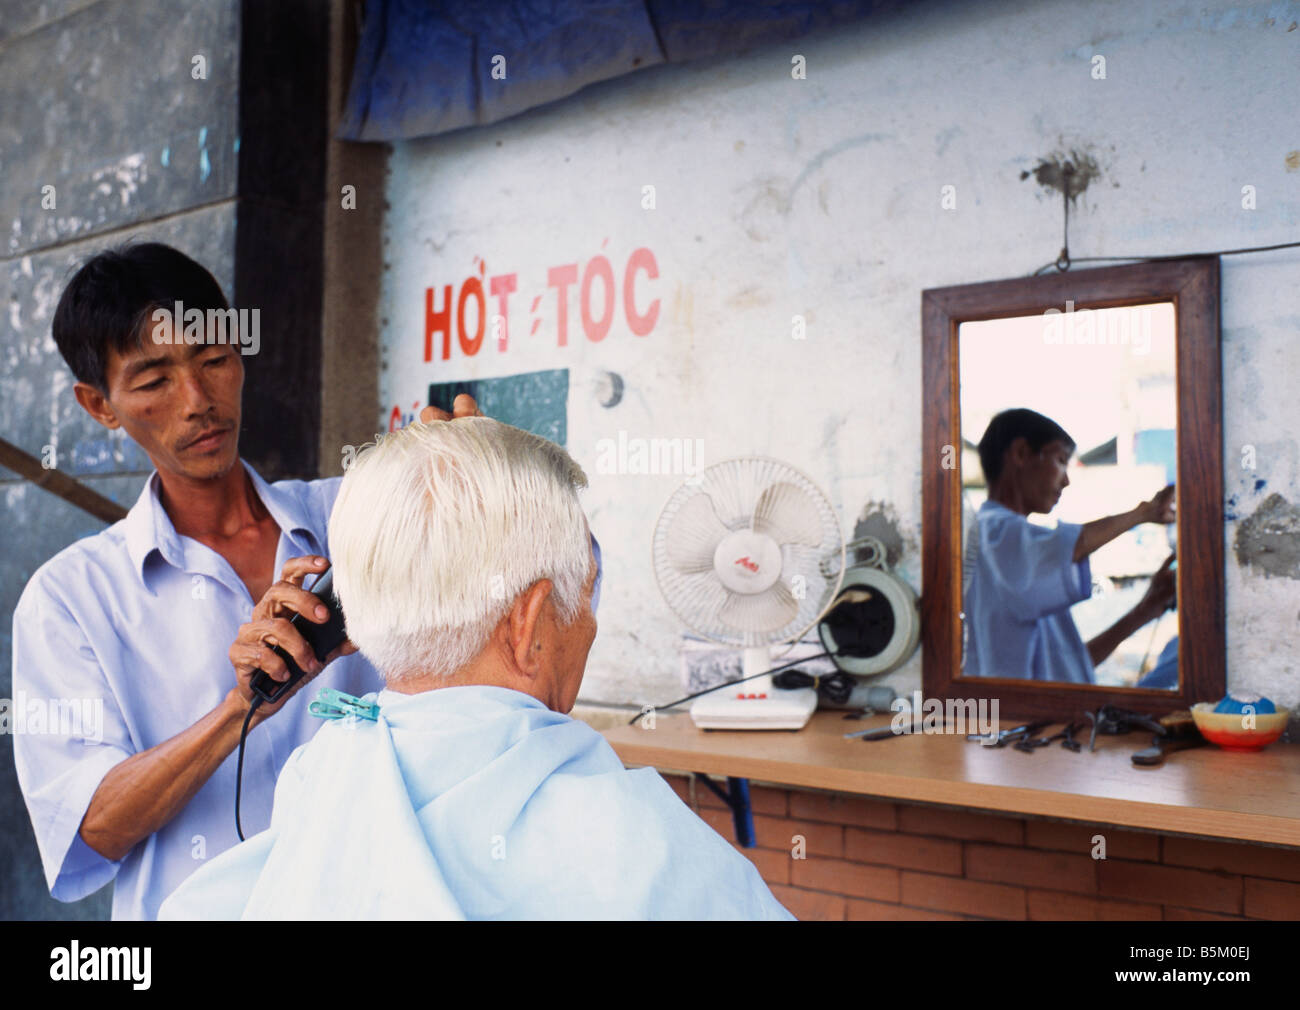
<point>1192,284</point>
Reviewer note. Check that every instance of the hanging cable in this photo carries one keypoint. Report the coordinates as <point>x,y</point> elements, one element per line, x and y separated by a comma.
<point>1175,256</point>
<point>1063,262</point>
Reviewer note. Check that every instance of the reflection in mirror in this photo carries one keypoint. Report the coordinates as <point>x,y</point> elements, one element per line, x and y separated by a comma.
<point>1068,426</point>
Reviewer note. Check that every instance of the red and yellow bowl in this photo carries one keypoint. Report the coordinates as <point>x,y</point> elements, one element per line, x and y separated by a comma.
<point>1226,729</point>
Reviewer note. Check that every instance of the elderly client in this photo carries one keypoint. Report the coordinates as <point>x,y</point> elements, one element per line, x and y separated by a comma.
<point>465,568</point>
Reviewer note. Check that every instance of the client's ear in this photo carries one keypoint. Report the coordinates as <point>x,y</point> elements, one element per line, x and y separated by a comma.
<point>525,625</point>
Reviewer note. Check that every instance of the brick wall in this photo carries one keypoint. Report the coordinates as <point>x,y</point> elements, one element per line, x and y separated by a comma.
<point>876,859</point>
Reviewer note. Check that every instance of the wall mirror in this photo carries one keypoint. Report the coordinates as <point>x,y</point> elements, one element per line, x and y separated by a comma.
<point>1050,405</point>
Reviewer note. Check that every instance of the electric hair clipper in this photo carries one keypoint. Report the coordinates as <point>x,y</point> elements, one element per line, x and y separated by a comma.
<point>322,638</point>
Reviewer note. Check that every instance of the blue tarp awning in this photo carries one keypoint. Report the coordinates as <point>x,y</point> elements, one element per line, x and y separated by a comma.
<point>424,67</point>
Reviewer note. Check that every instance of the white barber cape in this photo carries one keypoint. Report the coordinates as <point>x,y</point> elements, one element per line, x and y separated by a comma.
<point>473,803</point>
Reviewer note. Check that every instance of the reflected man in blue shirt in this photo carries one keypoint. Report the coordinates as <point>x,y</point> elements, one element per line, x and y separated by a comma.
<point>1020,579</point>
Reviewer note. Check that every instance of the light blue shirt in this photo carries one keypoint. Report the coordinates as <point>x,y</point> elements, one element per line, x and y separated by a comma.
<point>136,623</point>
<point>474,802</point>
<point>1021,581</point>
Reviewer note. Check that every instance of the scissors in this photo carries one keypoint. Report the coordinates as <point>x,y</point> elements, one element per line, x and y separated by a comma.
<point>1007,736</point>
<point>1066,736</point>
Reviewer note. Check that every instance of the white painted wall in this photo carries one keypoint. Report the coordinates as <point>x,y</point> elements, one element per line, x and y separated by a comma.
<point>777,197</point>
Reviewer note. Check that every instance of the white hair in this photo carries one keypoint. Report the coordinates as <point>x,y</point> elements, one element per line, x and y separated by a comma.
<point>439,527</point>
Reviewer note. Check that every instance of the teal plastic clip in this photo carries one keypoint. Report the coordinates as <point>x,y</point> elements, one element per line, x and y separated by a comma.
<point>332,704</point>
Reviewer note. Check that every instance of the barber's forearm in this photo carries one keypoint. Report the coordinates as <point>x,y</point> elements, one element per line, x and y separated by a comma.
<point>143,793</point>
<point>1102,531</point>
<point>1108,641</point>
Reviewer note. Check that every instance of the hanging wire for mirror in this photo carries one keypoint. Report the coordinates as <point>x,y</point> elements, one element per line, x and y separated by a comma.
<point>1063,262</point>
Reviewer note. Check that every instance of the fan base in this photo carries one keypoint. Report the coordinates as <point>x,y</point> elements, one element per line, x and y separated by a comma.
<point>778,710</point>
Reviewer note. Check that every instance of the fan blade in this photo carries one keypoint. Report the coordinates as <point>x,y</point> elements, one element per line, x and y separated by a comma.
<point>787,514</point>
<point>694,535</point>
<point>766,611</point>
<point>700,597</point>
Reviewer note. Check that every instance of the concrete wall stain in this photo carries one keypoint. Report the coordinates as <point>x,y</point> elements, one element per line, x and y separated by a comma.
<point>1270,538</point>
<point>1066,173</point>
<point>879,520</point>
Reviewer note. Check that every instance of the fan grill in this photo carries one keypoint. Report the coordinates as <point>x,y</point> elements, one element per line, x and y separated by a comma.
<point>774,499</point>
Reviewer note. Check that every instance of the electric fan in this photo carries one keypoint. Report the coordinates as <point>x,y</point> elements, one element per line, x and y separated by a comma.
<point>748,553</point>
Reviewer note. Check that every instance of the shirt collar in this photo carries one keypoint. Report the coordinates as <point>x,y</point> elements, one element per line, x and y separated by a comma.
<point>149,529</point>
<point>989,505</point>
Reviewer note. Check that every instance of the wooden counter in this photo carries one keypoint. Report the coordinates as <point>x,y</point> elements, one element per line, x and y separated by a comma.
<point>1204,791</point>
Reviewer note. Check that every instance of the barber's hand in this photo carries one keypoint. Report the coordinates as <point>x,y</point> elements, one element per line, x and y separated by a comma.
<point>463,407</point>
<point>269,626</point>
<point>1162,591</point>
<point>1160,509</point>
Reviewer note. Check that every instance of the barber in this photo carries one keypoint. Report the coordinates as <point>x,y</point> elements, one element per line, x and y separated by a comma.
<point>135,623</point>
